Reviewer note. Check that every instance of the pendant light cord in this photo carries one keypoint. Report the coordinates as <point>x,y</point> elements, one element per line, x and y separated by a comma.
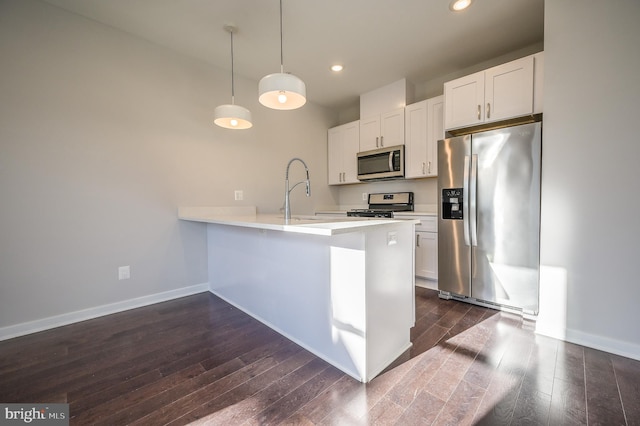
<point>232,79</point>
<point>281,54</point>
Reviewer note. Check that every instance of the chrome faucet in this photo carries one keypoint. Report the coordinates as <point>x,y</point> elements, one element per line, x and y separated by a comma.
<point>287,201</point>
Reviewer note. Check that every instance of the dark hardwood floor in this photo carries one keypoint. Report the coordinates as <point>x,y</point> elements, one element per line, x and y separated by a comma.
<point>198,359</point>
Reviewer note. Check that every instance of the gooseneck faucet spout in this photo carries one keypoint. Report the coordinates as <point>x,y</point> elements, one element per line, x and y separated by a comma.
<point>287,201</point>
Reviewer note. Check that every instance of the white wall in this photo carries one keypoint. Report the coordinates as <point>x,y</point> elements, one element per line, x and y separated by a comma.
<point>590,205</point>
<point>102,137</point>
<point>424,191</point>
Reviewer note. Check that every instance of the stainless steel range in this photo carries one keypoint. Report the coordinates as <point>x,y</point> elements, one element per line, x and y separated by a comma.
<point>384,204</point>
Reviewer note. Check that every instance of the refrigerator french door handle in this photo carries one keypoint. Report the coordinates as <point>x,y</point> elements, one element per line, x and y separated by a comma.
<point>465,201</point>
<point>473,196</point>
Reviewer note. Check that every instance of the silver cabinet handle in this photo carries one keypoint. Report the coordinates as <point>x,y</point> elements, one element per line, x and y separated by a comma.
<point>377,146</point>
<point>423,168</point>
<point>381,140</point>
<point>478,112</point>
<point>429,167</point>
<point>488,110</point>
<point>417,240</point>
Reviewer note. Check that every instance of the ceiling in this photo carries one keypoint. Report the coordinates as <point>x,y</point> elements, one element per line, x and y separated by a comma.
<point>377,41</point>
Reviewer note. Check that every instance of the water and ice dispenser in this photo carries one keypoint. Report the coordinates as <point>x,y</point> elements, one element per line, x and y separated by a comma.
<point>452,203</point>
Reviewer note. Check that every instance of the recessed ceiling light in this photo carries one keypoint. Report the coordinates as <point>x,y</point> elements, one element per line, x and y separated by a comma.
<point>459,5</point>
<point>336,68</point>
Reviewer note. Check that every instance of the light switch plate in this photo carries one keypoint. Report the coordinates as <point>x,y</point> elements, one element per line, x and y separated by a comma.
<point>124,272</point>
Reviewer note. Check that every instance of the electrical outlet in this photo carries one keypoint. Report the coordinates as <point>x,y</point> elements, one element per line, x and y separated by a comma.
<point>238,195</point>
<point>124,272</point>
<point>364,196</point>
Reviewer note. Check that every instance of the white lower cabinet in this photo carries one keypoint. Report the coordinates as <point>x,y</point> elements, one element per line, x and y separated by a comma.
<point>426,261</point>
<point>427,255</point>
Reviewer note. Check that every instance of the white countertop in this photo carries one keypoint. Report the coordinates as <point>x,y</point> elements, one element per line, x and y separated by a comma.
<point>416,213</point>
<point>411,213</point>
<point>317,225</point>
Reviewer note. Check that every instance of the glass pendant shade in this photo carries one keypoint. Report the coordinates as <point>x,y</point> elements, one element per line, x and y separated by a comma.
<point>282,91</point>
<point>232,117</point>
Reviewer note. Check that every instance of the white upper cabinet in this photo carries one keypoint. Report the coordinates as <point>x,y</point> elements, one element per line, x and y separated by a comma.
<point>508,90</point>
<point>435,132</point>
<point>424,126</point>
<point>382,115</point>
<point>464,98</point>
<point>415,150</point>
<point>382,130</point>
<point>369,133</point>
<point>499,93</point>
<point>342,145</point>
<point>392,127</point>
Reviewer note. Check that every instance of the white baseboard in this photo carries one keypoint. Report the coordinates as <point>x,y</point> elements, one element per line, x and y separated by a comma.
<point>22,329</point>
<point>618,347</point>
<point>606,344</point>
<point>426,283</point>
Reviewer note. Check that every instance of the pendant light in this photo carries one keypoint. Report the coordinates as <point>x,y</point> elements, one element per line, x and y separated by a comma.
<point>232,116</point>
<point>281,90</point>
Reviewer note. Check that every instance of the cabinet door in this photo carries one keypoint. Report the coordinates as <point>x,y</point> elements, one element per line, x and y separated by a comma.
<point>370,133</point>
<point>415,160</point>
<point>334,156</point>
<point>427,255</point>
<point>464,100</point>
<point>392,128</point>
<point>509,90</point>
<point>350,147</point>
<point>342,148</point>
<point>435,132</point>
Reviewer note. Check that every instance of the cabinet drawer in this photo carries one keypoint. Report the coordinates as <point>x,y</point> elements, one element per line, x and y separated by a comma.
<point>427,224</point>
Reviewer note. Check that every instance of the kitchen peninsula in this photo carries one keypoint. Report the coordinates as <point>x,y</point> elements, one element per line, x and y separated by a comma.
<point>342,288</point>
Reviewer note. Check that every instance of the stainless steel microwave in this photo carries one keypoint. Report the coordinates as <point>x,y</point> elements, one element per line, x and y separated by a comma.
<point>381,163</point>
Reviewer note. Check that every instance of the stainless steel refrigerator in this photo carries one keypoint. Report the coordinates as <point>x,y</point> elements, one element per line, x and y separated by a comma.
<point>489,217</point>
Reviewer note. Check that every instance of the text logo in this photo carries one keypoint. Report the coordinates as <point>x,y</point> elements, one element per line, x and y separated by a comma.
<point>36,414</point>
